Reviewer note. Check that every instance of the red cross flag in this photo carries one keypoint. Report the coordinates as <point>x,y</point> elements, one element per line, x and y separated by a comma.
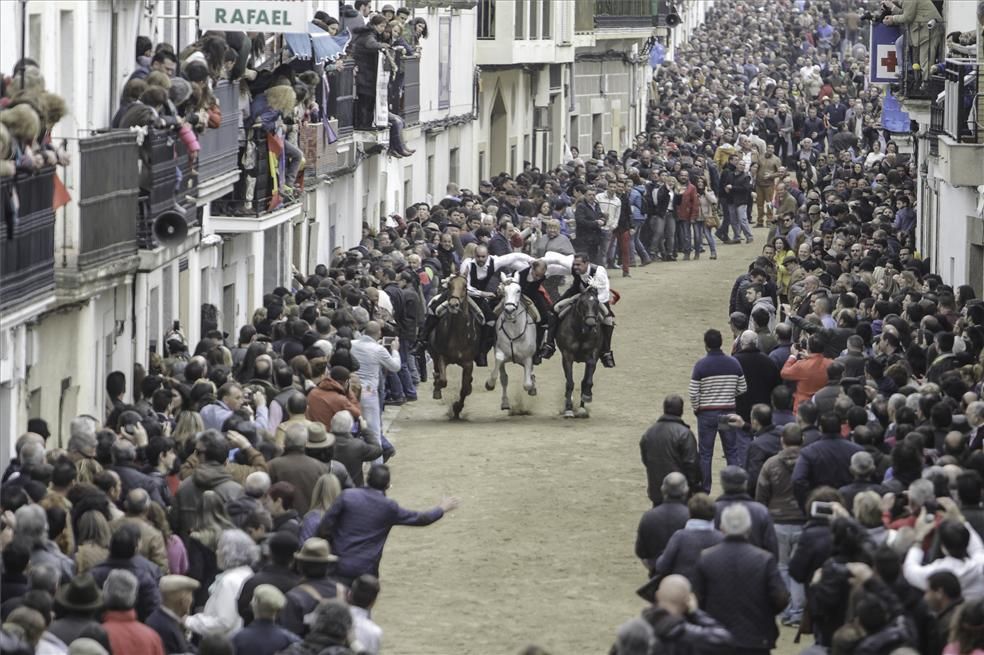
<point>884,65</point>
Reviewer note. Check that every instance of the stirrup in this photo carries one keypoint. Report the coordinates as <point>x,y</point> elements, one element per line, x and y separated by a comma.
<point>547,350</point>
<point>608,359</point>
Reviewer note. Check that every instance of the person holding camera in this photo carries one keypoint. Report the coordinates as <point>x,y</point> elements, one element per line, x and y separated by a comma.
<point>807,369</point>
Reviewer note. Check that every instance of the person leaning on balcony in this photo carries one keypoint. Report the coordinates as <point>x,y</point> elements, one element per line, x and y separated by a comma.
<point>914,17</point>
<point>367,43</point>
<point>269,109</point>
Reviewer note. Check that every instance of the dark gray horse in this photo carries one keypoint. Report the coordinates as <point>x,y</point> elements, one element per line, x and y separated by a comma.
<point>455,340</point>
<point>579,340</point>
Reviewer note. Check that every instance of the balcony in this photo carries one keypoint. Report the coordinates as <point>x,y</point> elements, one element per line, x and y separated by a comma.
<point>625,14</point>
<point>341,97</point>
<point>108,204</point>
<point>218,160</point>
<point>253,204</point>
<point>961,144</point>
<point>27,241</point>
<point>166,184</point>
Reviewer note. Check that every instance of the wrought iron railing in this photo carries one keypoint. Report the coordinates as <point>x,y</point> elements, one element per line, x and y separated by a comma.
<point>109,187</point>
<point>486,19</point>
<point>411,90</point>
<point>220,146</point>
<point>167,183</point>
<point>27,238</point>
<point>960,91</point>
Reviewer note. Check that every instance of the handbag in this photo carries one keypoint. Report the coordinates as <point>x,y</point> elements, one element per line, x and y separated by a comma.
<point>713,220</point>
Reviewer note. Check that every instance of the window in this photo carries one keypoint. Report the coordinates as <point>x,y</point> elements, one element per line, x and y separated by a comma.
<point>444,64</point>
<point>535,19</point>
<point>430,173</point>
<point>521,10</point>
<point>545,26</point>
<point>597,128</point>
<point>486,19</point>
<point>481,164</point>
<point>34,37</point>
<point>407,186</point>
<point>67,51</point>
<point>454,161</point>
<point>573,136</point>
<point>512,159</point>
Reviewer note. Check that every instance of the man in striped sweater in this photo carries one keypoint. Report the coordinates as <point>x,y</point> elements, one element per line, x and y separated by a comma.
<point>715,382</point>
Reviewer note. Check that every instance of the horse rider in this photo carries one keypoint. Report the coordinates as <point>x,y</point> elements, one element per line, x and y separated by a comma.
<point>531,281</point>
<point>584,274</point>
<point>482,276</point>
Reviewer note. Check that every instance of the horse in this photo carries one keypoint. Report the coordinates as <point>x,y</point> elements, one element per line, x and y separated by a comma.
<point>455,340</point>
<point>579,340</point>
<point>515,339</point>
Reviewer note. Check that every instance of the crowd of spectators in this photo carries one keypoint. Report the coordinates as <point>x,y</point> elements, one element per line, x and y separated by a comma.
<point>847,395</point>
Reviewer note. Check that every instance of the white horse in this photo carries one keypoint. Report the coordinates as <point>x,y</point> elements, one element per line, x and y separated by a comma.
<point>515,338</point>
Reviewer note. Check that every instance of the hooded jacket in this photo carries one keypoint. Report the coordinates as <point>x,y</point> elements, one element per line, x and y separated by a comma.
<point>329,398</point>
<point>187,507</point>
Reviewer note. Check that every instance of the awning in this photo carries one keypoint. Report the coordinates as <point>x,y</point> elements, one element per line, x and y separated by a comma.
<point>316,44</point>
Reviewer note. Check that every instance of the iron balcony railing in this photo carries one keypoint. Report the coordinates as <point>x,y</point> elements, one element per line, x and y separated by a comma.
<point>625,13</point>
<point>220,146</point>
<point>108,204</point>
<point>27,237</point>
<point>341,97</point>
<point>167,183</point>
<point>960,93</point>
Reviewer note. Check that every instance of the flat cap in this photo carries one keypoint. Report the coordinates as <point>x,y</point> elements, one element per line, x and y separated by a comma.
<point>268,599</point>
<point>172,583</point>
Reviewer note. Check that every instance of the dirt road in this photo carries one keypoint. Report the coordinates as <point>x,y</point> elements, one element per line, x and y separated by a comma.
<point>541,549</point>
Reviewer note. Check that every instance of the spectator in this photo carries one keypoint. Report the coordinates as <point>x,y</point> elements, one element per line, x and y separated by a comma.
<point>669,446</point>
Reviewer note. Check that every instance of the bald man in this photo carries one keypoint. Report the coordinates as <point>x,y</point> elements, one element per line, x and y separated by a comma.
<point>676,604</point>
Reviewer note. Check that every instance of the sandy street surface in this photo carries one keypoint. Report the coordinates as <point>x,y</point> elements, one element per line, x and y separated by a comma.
<point>541,549</point>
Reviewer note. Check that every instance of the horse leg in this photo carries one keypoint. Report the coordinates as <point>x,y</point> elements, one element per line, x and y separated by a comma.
<point>587,382</point>
<point>440,376</point>
<point>497,357</point>
<point>569,386</point>
<point>466,388</point>
<point>529,382</point>
<point>504,405</point>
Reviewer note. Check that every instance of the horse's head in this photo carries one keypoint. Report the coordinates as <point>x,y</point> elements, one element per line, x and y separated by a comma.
<point>512,295</point>
<point>457,293</point>
<point>587,306</point>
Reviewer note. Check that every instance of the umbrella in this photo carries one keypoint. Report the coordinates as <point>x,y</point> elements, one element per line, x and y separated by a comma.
<point>316,44</point>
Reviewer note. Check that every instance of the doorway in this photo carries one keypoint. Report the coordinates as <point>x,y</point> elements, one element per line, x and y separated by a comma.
<point>498,135</point>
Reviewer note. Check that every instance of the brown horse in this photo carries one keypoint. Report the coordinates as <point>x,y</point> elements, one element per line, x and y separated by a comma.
<point>455,340</point>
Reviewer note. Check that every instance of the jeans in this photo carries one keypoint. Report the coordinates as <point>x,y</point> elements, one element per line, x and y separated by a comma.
<point>788,534</point>
<point>708,428</point>
<point>701,232</point>
<point>637,246</point>
<point>670,243</point>
<point>743,440</point>
<point>294,157</point>
<point>683,234</point>
<point>728,220</point>
<point>607,249</point>
<point>656,245</point>
<point>406,379</point>
<point>739,220</point>
<point>373,414</point>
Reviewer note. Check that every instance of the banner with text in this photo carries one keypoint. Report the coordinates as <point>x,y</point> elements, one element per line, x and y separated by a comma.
<point>886,61</point>
<point>253,15</point>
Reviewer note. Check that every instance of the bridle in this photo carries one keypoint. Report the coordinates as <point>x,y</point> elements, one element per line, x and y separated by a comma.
<point>509,315</point>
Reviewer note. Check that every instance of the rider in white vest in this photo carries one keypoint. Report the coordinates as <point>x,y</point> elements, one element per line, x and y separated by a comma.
<point>482,276</point>
<point>584,274</point>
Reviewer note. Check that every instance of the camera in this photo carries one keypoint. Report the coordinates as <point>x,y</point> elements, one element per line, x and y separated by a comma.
<point>876,17</point>
<point>819,509</point>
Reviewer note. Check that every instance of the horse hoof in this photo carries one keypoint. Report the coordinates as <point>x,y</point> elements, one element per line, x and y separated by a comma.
<point>505,407</point>
<point>437,394</point>
<point>585,397</point>
<point>582,412</point>
<point>568,413</point>
<point>489,385</point>
<point>456,409</point>
<point>532,391</point>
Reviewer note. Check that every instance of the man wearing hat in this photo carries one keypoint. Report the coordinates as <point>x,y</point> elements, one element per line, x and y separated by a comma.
<point>263,636</point>
<point>177,596</point>
<point>316,564</point>
<point>81,603</point>
<point>297,466</point>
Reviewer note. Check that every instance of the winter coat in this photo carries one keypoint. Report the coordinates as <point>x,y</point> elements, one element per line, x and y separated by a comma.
<point>586,216</point>
<point>127,636</point>
<point>187,508</point>
<point>775,487</point>
<point>300,470</point>
<point>738,584</point>
<point>813,548</point>
<point>761,376</point>
<point>326,400</point>
<point>353,452</point>
<point>365,51</point>
<point>763,533</point>
<point>693,634</point>
<point>132,477</point>
<point>684,548</point>
<point>147,574</point>
<point>669,446</point>
<point>283,579</point>
<point>825,462</point>
<point>767,442</point>
<point>689,208</point>
<point>263,637</point>
<point>656,527</point>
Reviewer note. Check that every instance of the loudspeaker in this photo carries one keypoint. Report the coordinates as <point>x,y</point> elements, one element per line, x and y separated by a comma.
<point>170,227</point>
<point>673,18</point>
